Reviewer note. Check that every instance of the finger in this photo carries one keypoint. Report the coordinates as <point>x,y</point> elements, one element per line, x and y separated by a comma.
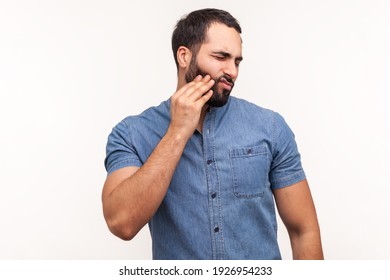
<point>184,88</point>
<point>189,88</point>
<point>198,82</point>
<point>204,98</point>
<point>198,90</point>
<point>198,78</point>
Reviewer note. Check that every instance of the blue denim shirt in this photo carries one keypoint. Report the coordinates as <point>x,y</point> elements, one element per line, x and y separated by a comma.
<point>219,204</point>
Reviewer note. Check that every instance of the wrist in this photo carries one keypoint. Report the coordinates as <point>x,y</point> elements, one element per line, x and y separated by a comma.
<point>177,136</point>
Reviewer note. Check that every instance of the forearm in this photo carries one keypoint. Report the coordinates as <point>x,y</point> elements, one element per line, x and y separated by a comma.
<point>130,205</point>
<point>306,245</point>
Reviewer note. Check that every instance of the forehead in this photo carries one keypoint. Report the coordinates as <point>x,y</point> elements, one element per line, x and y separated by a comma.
<point>221,37</point>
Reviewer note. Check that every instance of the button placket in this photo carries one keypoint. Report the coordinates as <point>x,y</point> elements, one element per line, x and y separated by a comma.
<point>213,186</point>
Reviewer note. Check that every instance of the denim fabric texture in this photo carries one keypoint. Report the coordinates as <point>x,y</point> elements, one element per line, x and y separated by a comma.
<point>219,204</point>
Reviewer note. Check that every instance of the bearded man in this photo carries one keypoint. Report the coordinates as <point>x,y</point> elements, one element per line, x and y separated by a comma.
<point>204,169</point>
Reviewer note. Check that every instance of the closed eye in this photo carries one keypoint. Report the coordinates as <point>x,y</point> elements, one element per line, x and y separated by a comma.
<point>220,57</point>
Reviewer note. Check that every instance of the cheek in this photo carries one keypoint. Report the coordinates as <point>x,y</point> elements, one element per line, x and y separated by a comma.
<point>211,67</point>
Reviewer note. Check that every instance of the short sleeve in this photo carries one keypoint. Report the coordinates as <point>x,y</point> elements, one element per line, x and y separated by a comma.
<point>286,167</point>
<point>120,151</point>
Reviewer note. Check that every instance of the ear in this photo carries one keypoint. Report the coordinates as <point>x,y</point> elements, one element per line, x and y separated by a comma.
<point>184,56</point>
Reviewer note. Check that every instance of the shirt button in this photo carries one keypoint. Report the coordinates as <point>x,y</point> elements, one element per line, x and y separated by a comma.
<point>216,229</point>
<point>213,195</point>
<point>249,151</point>
<point>209,161</point>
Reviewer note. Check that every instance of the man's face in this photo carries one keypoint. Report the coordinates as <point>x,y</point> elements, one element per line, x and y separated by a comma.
<point>218,57</point>
<point>220,96</point>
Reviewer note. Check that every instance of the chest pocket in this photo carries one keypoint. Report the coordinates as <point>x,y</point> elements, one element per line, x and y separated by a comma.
<point>250,167</point>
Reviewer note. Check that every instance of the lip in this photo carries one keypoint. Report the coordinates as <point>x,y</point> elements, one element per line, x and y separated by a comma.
<point>226,84</point>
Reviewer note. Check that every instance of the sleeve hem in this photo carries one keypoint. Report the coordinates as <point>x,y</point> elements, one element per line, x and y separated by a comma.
<point>288,181</point>
<point>124,163</point>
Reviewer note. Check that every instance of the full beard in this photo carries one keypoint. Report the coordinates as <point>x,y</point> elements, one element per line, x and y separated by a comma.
<point>218,98</point>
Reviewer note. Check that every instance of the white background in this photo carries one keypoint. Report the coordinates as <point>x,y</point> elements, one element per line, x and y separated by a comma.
<point>70,70</point>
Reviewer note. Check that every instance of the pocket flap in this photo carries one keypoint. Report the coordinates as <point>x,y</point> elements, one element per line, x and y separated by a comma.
<point>247,151</point>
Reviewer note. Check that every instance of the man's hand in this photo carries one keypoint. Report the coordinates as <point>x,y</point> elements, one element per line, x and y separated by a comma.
<point>187,104</point>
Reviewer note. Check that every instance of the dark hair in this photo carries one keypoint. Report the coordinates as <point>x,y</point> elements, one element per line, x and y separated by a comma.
<point>190,30</point>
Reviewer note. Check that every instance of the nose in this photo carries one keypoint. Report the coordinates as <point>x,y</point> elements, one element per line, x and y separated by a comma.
<point>231,69</point>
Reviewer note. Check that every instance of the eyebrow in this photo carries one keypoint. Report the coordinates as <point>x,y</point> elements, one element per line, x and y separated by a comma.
<point>227,55</point>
